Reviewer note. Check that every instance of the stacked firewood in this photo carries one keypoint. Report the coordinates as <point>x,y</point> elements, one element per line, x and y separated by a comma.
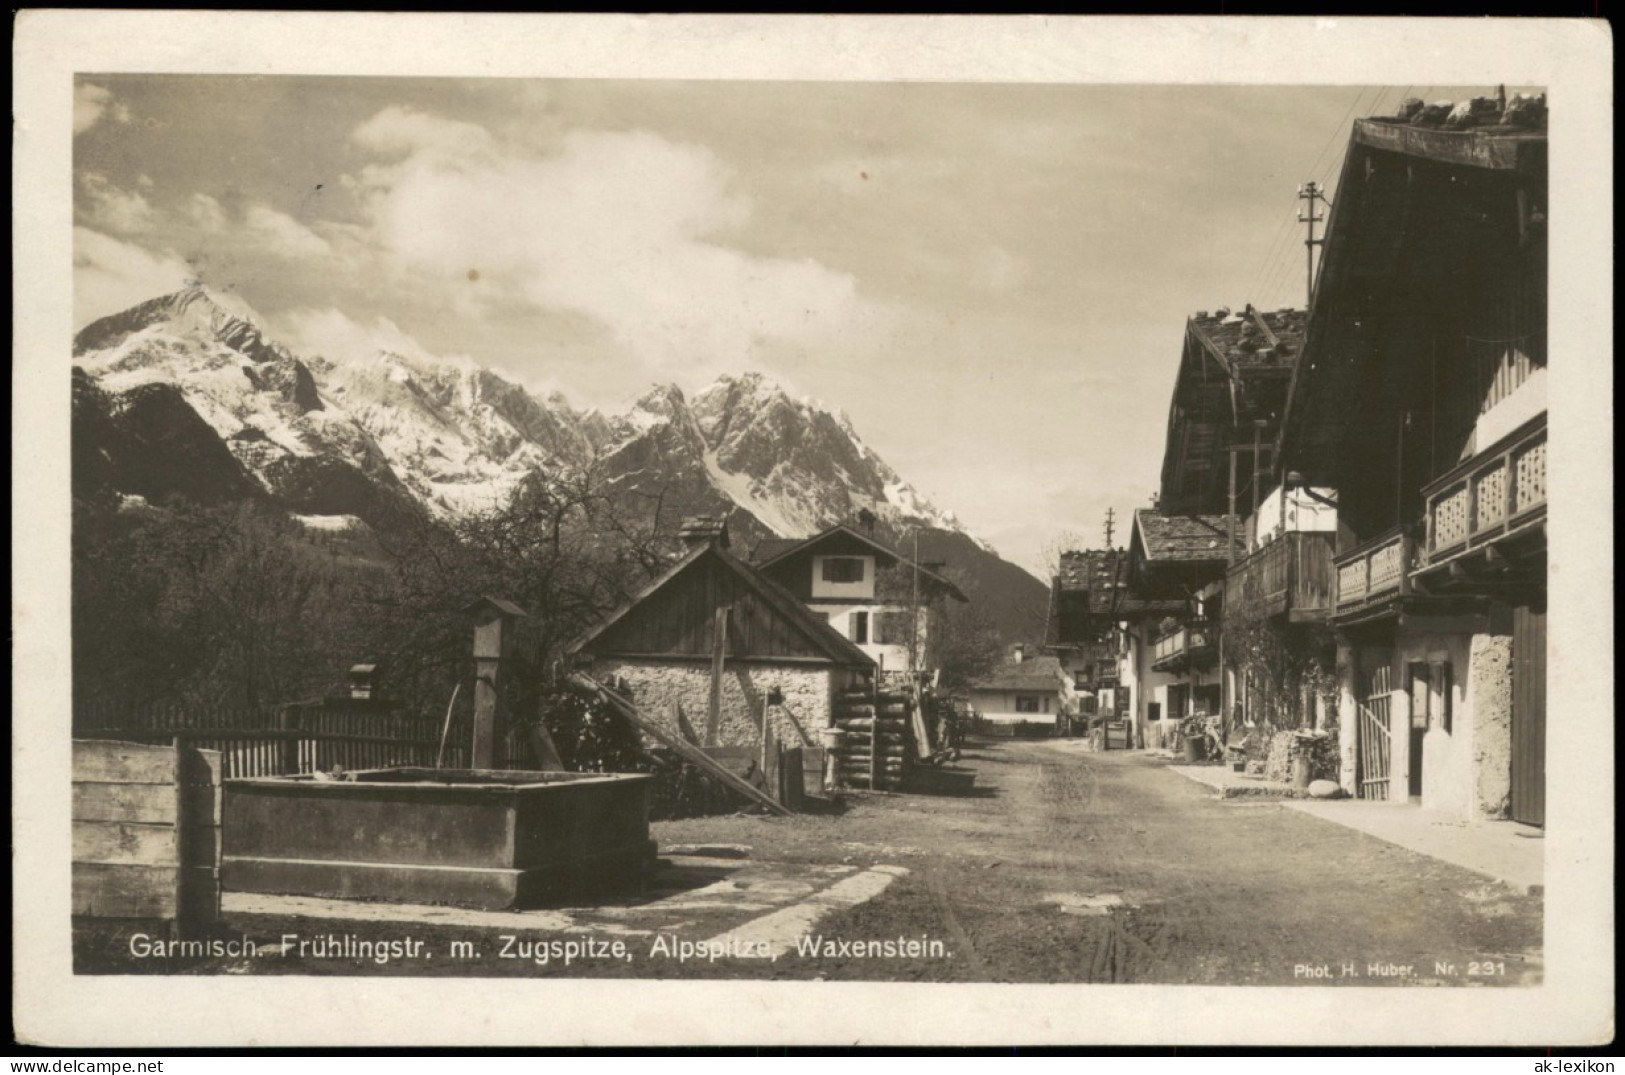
<point>877,747</point>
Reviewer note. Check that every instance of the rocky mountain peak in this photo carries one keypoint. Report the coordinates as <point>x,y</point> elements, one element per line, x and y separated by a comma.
<point>194,313</point>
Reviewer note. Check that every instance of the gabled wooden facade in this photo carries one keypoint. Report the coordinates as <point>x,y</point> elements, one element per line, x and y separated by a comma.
<point>677,618</point>
<point>721,655</point>
<point>1421,400</point>
<point>1229,395</point>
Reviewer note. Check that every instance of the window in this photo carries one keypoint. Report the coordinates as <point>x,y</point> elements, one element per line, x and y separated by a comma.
<point>1439,695</point>
<point>1026,703</point>
<point>1430,695</point>
<point>1080,679</point>
<point>843,569</point>
<point>860,624</point>
<point>1421,683</point>
<point>1177,696</point>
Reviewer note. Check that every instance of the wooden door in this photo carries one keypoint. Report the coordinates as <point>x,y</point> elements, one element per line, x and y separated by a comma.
<point>1376,724</point>
<point>1529,714</point>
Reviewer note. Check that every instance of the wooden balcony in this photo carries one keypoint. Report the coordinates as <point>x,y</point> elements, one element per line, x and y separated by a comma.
<point>1187,645</point>
<point>1494,500</point>
<point>1374,573</point>
<point>1292,576</point>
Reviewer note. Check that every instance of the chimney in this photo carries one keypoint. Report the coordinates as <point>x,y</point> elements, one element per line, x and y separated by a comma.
<point>866,521</point>
<point>699,531</point>
<point>363,681</point>
<point>1019,652</point>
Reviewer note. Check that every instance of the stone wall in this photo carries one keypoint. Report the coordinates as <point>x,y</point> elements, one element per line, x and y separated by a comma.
<point>1490,697</point>
<point>655,686</point>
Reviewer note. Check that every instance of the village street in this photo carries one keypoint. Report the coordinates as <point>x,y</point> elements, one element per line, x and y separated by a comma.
<point>1069,866</point>
<point>1057,865</point>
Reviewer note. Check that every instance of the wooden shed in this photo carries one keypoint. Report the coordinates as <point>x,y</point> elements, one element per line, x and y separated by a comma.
<point>715,651</point>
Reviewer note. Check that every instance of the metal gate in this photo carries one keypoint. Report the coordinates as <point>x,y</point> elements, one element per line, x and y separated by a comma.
<point>1529,714</point>
<point>1376,727</point>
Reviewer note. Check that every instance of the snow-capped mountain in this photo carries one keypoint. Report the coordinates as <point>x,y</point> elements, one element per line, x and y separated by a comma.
<point>329,434</point>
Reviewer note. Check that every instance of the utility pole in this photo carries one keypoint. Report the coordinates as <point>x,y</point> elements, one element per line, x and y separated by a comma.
<point>1311,192</point>
<point>1109,544</point>
<point>914,620</point>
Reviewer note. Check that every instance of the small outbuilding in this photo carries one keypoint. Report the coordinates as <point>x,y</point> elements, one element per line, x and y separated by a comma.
<point>714,648</point>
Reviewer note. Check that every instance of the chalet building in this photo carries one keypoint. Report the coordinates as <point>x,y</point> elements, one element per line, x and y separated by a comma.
<point>1421,400</point>
<point>878,600</point>
<point>1170,658</point>
<point>1080,631</point>
<point>715,647</point>
<point>1026,693</point>
<point>1097,625</point>
<point>1234,372</point>
<point>1219,464</point>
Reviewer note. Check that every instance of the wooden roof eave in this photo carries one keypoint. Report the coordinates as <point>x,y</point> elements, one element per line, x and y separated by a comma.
<point>587,637</point>
<point>1334,255</point>
<point>817,631</point>
<point>824,535</point>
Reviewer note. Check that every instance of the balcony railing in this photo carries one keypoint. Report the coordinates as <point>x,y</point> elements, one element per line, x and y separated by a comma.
<point>1498,492</point>
<point>1178,648</point>
<point>1291,576</point>
<point>1374,572</point>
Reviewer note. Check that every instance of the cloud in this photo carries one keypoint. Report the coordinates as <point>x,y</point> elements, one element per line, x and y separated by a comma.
<point>625,227</point>
<point>111,209</point>
<point>205,212</point>
<point>282,235</point>
<point>335,335</point>
<point>397,132</point>
<point>110,275</point>
<point>91,103</point>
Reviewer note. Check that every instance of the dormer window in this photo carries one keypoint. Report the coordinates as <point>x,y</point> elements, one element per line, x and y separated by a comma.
<point>843,569</point>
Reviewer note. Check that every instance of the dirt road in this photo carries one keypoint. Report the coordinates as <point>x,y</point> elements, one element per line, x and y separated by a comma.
<point>1079,867</point>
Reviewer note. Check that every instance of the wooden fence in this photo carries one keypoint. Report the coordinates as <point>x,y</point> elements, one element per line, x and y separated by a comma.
<point>307,737</point>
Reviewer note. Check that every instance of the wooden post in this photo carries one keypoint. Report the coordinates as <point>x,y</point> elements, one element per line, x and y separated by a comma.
<point>719,650</point>
<point>767,735</point>
<point>1230,517</point>
<point>287,720</point>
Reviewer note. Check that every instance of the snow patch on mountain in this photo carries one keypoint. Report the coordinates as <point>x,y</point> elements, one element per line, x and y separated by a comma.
<point>461,439</point>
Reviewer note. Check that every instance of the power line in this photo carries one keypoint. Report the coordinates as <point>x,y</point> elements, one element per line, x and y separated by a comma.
<point>1277,256</point>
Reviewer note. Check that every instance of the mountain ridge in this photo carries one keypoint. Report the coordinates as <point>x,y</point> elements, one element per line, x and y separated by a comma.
<point>372,436</point>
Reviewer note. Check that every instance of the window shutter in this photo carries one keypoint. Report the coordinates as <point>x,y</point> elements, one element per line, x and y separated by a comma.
<point>1421,684</point>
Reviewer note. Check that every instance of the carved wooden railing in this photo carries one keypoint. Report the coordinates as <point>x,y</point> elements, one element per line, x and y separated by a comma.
<point>1498,491</point>
<point>1182,643</point>
<point>1374,571</point>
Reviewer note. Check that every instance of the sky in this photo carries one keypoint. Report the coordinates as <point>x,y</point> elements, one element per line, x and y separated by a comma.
<point>991,280</point>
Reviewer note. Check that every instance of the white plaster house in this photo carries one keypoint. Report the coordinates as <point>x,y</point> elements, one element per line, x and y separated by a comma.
<point>839,572</point>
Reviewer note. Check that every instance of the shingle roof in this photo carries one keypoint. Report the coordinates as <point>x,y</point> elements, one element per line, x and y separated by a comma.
<point>1253,339</point>
<point>772,548</point>
<point>1099,579</point>
<point>1181,537</point>
<point>1031,674</point>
